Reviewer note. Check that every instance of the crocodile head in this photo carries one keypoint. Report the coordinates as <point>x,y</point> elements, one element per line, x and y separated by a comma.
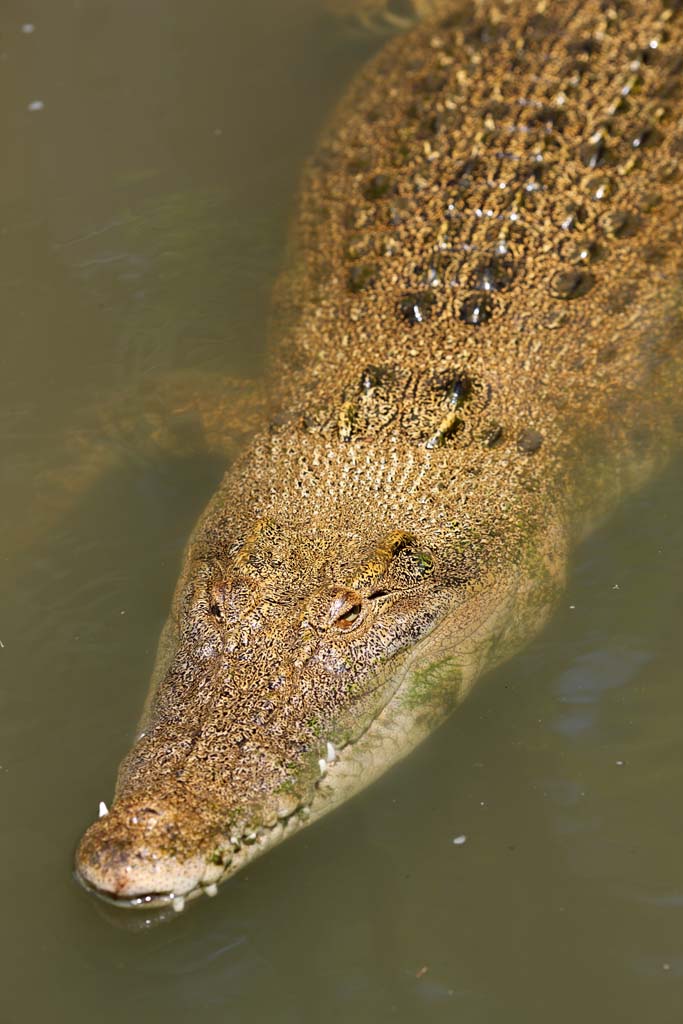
<point>317,633</point>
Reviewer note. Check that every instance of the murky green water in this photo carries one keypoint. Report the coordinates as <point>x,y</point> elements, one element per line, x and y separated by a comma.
<point>142,216</point>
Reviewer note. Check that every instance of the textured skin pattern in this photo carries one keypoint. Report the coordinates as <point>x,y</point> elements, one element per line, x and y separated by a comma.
<point>516,185</point>
<point>479,351</point>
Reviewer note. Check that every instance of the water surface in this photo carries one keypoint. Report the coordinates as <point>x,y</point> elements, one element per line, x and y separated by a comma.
<point>143,209</point>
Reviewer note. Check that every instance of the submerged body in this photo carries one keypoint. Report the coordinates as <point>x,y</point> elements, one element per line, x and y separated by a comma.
<point>479,351</point>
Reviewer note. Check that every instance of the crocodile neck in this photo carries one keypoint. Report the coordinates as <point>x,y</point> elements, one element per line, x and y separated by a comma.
<point>521,229</point>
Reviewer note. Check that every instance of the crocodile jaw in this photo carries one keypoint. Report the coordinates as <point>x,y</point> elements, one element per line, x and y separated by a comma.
<point>434,677</point>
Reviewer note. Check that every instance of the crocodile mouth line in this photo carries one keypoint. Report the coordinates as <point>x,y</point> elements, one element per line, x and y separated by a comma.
<point>236,851</point>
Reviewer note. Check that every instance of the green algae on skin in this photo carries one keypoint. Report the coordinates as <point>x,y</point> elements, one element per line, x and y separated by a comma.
<point>435,689</point>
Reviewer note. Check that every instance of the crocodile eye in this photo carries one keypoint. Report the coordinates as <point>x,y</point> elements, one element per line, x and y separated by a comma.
<point>349,617</point>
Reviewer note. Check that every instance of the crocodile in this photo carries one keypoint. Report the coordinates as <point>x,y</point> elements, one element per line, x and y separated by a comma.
<point>478,356</point>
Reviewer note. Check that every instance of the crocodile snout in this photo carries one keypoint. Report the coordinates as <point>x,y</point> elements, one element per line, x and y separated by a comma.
<point>146,849</point>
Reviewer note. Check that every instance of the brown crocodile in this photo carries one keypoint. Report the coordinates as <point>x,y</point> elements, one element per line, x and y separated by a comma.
<point>479,354</point>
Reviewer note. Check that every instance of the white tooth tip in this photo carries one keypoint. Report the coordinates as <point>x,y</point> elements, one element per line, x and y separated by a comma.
<point>322,763</point>
<point>179,904</point>
<point>211,890</point>
<point>103,809</point>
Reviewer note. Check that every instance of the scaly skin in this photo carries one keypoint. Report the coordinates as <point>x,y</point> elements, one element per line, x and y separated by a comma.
<point>480,354</point>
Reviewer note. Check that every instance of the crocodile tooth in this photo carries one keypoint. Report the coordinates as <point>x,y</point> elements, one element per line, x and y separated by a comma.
<point>331,753</point>
<point>103,809</point>
<point>211,890</point>
<point>178,904</point>
<point>323,765</point>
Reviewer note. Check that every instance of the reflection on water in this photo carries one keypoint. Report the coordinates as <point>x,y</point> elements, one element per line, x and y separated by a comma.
<point>142,217</point>
<point>587,680</point>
